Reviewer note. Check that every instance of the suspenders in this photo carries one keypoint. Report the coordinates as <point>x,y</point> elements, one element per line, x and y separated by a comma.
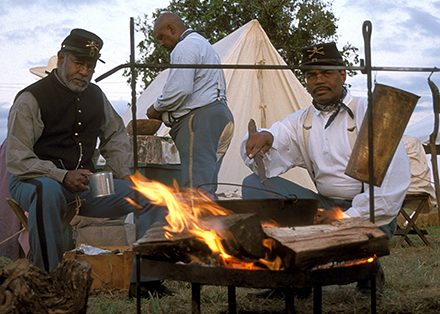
<point>351,129</point>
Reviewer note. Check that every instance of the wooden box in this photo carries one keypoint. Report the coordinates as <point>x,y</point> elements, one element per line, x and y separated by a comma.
<point>149,149</point>
<point>111,270</point>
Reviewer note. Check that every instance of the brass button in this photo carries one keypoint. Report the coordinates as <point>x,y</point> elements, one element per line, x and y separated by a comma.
<point>76,134</point>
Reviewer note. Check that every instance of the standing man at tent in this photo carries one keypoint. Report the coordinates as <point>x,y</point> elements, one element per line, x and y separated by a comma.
<point>53,127</point>
<point>193,104</point>
<point>327,123</point>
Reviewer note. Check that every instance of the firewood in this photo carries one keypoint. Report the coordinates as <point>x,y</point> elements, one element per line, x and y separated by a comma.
<point>178,247</point>
<point>344,240</point>
<point>25,288</point>
<point>242,235</point>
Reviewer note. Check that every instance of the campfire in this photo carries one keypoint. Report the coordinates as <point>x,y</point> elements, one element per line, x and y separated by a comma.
<point>202,232</point>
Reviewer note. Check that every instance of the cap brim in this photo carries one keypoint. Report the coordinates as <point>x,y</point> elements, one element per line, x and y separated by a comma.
<point>82,55</point>
<point>324,62</point>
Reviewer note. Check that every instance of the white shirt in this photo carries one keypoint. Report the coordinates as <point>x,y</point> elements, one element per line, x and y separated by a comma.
<point>329,151</point>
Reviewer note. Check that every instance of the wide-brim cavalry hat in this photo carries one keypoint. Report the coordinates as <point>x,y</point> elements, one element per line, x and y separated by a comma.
<point>82,43</point>
<point>321,54</point>
<point>45,70</point>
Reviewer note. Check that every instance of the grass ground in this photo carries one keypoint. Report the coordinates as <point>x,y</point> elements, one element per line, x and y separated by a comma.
<point>412,286</point>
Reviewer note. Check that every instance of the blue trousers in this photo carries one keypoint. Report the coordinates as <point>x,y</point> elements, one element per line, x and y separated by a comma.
<point>288,188</point>
<point>202,138</point>
<point>45,200</point>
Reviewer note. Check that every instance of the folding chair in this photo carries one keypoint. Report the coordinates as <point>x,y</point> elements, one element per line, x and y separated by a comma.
<point>70,213</point>
<point>411,227</point>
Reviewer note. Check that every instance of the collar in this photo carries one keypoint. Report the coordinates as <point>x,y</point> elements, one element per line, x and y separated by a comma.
<point>185,34</point>
<point>335,107</point>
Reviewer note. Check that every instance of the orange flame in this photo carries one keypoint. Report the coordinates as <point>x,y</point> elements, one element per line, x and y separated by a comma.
<point>232,262</point>
<point>348,263</point>
<point>184,210</point>
<point>270,224</point>
<point>276,264</point>
<point>340,214</point>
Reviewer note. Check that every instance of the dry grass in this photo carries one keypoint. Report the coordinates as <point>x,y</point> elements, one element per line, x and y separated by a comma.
<point>412,286</point>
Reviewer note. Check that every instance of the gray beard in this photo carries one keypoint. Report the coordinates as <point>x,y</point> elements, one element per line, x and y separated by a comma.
<point>75,88</point>
<point>70,85</point>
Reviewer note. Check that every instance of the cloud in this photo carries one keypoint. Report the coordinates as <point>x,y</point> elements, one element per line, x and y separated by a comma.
<point>422,22</point>
<point>8,6</point>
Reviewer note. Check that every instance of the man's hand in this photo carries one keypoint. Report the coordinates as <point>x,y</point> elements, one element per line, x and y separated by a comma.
<point>153,113</point>
<point>258,142</point>
<point>76,180</point>
<point>325,217</point>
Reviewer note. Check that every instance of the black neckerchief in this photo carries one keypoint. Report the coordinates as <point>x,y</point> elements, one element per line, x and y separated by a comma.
<point>336,107</point>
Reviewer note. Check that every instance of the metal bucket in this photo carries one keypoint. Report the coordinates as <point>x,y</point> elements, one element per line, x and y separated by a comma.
<point>101,184</point>
<point>392,109</point>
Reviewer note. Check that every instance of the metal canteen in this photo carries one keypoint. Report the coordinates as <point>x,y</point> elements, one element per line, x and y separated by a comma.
<point>101,184</point>
<point>392,109</point>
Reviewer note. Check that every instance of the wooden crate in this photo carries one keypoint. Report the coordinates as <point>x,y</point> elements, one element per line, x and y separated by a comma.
<point>113,270</point>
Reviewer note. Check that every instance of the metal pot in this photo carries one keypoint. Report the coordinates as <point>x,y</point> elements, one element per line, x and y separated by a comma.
<point>101,184</point>
<point>287,212</point>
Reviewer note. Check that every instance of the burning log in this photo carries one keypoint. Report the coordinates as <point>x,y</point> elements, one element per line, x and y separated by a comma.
<point>241,235</point>
<point>179,247</point>
<point>346,240</point>
<point>25,288</point>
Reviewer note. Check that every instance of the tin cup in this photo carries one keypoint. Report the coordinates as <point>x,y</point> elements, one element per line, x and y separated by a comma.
<point>101,184</point>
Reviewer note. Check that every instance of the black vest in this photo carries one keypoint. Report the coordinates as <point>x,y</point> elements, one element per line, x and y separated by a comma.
<point>71,122</point>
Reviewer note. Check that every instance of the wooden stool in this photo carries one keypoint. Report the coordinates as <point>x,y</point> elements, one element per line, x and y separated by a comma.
<point>411,227</point>
<point>19,212</point>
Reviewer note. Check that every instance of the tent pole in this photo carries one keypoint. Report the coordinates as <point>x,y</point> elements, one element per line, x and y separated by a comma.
<point>135,162</point>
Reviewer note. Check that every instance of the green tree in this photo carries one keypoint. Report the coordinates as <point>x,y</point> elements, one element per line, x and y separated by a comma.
<point>290,25</point>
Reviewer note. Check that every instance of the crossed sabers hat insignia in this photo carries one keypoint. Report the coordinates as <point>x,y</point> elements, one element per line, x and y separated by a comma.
<point>316,50</point>
<point>93,45</point>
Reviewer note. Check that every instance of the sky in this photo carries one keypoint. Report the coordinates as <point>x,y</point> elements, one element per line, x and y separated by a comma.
<point>404,34</point>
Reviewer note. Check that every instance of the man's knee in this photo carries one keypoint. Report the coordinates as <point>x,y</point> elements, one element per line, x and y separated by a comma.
<point>252,188</point>
<point>39,189</point>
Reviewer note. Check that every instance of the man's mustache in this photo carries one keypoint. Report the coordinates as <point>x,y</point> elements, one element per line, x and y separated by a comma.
<point>320,88</point>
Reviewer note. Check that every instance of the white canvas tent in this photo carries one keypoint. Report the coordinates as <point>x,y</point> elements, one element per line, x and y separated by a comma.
<point>423,129</point>
<point>266,96</point>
